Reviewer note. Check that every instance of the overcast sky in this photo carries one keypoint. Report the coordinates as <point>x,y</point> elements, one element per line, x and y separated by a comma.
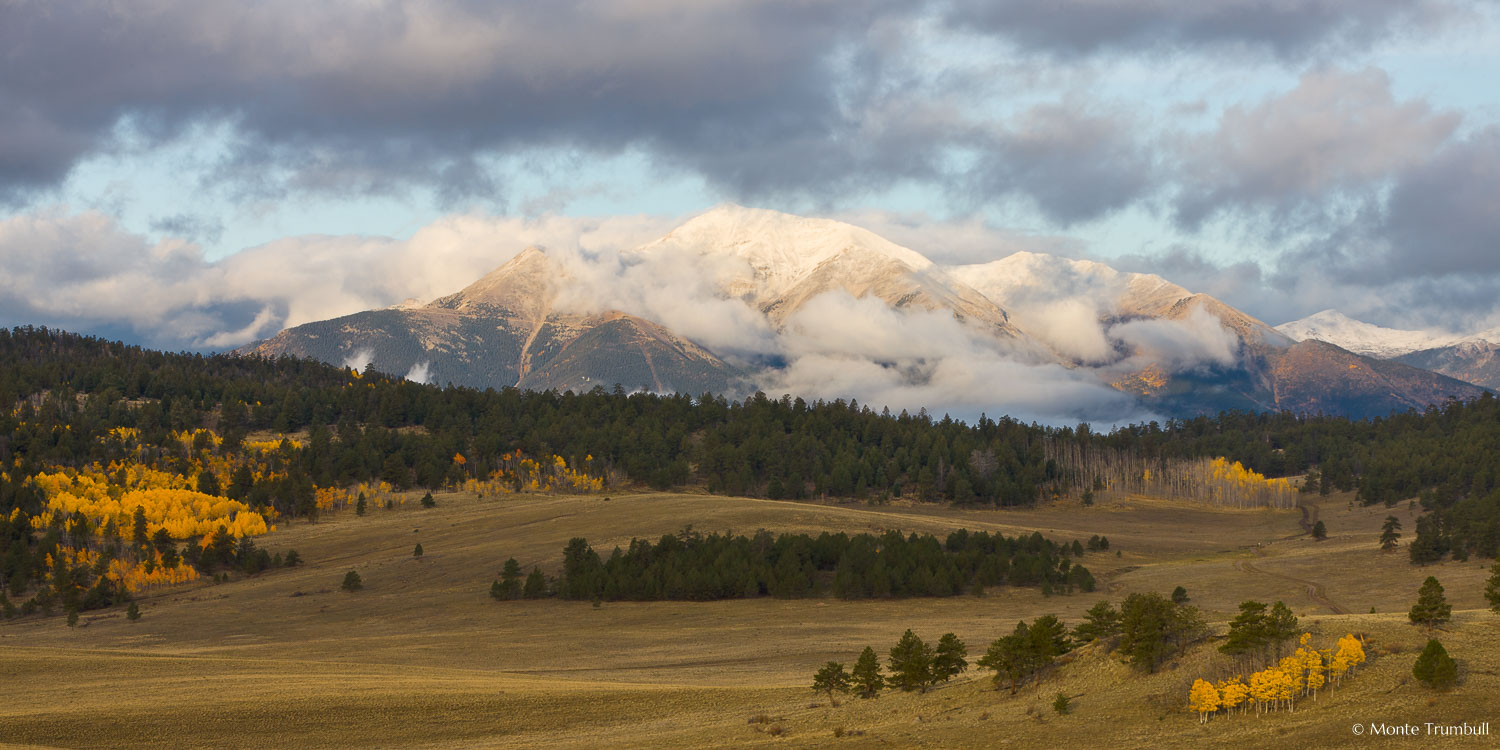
<point>196,174</point>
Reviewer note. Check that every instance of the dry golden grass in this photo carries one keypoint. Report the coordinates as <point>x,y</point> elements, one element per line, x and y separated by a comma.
<point>424,658</point>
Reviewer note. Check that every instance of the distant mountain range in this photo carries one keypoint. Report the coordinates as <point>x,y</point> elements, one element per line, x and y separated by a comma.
<point>1473,358</point>
<point>737,299</point>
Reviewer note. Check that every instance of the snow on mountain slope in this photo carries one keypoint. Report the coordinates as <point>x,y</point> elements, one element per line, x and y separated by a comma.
<point>778,262</point>
<point>524,287</point>
<point>1027,279</point>
<point>778,250</point>
<point>1357,336</point>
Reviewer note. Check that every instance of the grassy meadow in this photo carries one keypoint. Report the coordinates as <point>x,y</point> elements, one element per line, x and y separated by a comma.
<point>422,657</point>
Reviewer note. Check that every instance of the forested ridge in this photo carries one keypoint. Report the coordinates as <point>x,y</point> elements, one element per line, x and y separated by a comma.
<point>105,420</point>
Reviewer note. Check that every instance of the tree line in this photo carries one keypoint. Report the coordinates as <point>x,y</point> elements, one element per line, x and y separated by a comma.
<point>693,566</point>
<point>60,392</point>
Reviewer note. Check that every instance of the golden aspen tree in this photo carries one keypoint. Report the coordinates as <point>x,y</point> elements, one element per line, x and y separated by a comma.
<point>1313,662</point>
<point>1262,689</point>
<point>1292,667</point>
<point>1232,694</point>
<point>1203,698</point>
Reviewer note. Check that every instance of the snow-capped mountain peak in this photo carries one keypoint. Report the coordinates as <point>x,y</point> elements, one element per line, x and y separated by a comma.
<point>1357,336</point>
<point>779,249</point>
<point>1027,279</point>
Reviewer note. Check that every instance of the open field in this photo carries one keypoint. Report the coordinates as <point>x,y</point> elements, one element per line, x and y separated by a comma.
<point>424,658</point>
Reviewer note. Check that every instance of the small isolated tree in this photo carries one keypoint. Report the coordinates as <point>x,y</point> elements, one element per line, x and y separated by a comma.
<point>1435,668</point>
<point>867,678</point>
<point>1179,595</point>
<point>292,559</point>
<point>1492,588</point>
<point>949,660</point>
<point>360,505</point>
<point>1061,704</point>
<point>831,679</point>
<point>536,585</point>
<point>911,663</point>
<point>72,617</point>
<point>417,552</point>
<point>352,582</point>
<point>1390,533</point>
<point>1432,609</point>
<point>428,502</point>
<point>1319,531</point>
<point>133,612</point>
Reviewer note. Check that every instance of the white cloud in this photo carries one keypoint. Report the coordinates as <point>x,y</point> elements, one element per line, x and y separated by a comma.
<point>360,359</point>
<point>84,270</point>
<point>419,373</point>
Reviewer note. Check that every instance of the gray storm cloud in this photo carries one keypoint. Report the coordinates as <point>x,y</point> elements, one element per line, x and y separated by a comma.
<point>1288,28</point>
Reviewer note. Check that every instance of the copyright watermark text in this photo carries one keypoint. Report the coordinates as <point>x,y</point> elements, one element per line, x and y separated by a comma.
<point>1427,729</point>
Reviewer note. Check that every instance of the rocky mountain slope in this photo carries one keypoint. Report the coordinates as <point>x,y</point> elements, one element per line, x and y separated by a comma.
<point>1471,358</point>
<point>503,330</point>
<point>551,322</point>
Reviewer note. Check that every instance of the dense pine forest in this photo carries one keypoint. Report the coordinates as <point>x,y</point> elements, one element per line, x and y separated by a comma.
<point>92,429</point>
<point>695,567</point>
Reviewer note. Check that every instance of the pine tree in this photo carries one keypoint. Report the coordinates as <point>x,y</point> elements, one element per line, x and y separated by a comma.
<point>1319,531</point>
<point>352,582</point>
<point>949,661</point>
<point>292,559</point>
<point>1432,609</point>
<point>1281,625</point>
<point>417,552</point>
<point>536,585</point>
<point>911,663</point>
<point>1435,668</point>
<point>428,502</point>
<point>1390,533</point>
<point>1010,657</point>
<point>133,612</point>
<point>1101,621</point>
<point>509,585</point>
<point>831,679</point>
<point>360,505</point>
<point>1492,588</point>
<point>867,678</point>
<point>139,526</point>
<point>1153,628</point>
<point>1179,595</point>
<point>1061,704</point>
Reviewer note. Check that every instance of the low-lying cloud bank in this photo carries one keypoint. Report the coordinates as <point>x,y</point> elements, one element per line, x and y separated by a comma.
<point>84,272</point>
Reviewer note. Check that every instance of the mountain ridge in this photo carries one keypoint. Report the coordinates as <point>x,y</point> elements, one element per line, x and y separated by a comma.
<point>1173,350</point>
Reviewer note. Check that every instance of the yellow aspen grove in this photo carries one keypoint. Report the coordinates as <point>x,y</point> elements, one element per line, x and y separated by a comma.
<point>182,512</point>
<point>1203,698</point>
<point>1313,662</point>
<point>1293,666</point>
<point>1232,694</point>
<point>1277,687</point>
<point>519,473</point>
<point>1263,689</point>
<point>1219,481</point>
<point>1351,653</point>
<point>1285,687</point>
